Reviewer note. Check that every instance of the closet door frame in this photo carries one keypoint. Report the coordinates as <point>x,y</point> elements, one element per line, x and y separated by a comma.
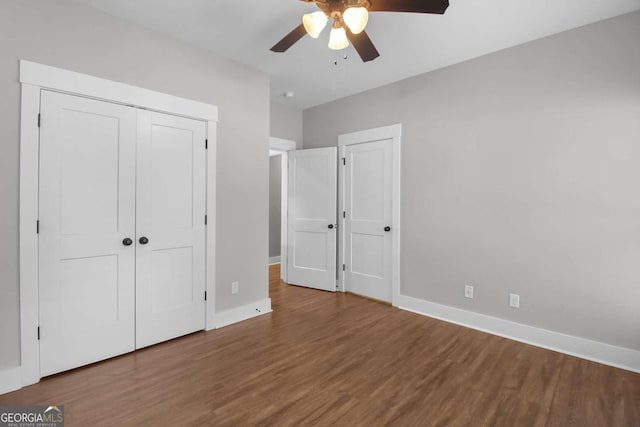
<point>36,77</point>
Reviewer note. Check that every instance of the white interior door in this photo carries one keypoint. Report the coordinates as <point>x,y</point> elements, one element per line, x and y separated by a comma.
<point>368,209</point>
<point>170,236</point>
<point>86,211</point>
<point>312,218</point>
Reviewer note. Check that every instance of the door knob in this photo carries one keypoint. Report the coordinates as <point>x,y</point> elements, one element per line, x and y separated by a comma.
<point>330,225</point>
<point>127,242</point>
<point>143,240</point>
<point>387,228</point>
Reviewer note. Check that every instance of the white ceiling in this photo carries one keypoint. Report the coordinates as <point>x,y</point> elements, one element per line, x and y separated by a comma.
<point>409,44</point>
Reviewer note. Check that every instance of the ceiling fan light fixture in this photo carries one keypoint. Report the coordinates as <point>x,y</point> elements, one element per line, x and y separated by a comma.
<point>356,19</point>
<point>314,23</point>
<point>338,38</point>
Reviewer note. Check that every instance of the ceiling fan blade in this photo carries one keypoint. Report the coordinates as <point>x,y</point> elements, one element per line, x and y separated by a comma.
<point>290,39</point>
<point>415,6</point>
<point>363,45</point>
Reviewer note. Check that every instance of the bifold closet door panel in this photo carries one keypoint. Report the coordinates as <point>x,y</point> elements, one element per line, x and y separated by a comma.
<point>170,238</point>
<point>86,211</point>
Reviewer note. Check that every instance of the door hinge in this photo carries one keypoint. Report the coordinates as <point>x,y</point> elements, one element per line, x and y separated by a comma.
<point>344,214</point>
<point>205,220</point>
<point>39,117</point>
<point>38,332</point>
<point>206,144</point>
<point>344,267</point>
<point>344,161</point>
<point>38,227</point>
<point>205,295</point>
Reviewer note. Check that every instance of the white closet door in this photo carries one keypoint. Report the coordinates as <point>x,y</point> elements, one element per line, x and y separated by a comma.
<point>87,209</point>
<point>170,237</point>
<point>312,218</point>
<point>368,182</point>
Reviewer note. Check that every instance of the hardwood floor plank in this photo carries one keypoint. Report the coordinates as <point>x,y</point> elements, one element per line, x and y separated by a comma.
<point>590,394</point>
<point>340,360</point>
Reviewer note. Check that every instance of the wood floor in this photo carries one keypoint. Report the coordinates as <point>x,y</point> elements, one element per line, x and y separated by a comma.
<point>340,360</point>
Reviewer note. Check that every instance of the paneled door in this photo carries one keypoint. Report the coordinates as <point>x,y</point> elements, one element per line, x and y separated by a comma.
<point>312,221</point>
<point>121,230</point>
<point>367,196</point>
<point>170,235</point>
<point>86,231</point>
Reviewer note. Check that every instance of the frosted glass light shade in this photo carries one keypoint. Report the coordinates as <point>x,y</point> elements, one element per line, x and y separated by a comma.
<point>314,23</point>
<point>356,18</point>
<point>338,39</point>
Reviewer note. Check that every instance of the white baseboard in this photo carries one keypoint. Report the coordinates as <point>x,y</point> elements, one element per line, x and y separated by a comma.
<point>595,351</point>
<point>274,260</point>
<point>244,312</point>
<point>10,379</point>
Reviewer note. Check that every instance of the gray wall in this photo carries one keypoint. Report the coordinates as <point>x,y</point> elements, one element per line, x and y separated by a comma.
<point>520,173</point>
<point>286,123</point>
<point>74,37</point>
<point>275,198</point>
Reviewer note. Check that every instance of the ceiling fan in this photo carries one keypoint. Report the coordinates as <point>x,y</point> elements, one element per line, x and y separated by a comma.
<point>350,17</point>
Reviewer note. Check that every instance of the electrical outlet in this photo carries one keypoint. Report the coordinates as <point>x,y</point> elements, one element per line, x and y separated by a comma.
<point>468,291</point>
<point>514,300</point>
<point>235,287</point>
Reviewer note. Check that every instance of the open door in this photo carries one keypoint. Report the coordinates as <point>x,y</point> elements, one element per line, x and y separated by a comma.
<point>312,224</point>
<point>369,209</point>
<point>368,218</point>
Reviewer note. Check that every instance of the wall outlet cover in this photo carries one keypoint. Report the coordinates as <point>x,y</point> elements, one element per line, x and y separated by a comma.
<point>468,291</point>
<point>514,300</point>
<point>235,287</point>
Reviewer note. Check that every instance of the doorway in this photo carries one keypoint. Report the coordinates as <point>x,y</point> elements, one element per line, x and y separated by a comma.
<point>369,206</point>
<point>275,206</point>
<point>344,215</point>
<point>278,202</point>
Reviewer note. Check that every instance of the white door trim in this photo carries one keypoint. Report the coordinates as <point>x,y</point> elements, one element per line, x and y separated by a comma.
<point>279,144</point>
<point>58,79</point>
<point>35,77</point>
<point>393,132</point>
<point>282,146</point>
